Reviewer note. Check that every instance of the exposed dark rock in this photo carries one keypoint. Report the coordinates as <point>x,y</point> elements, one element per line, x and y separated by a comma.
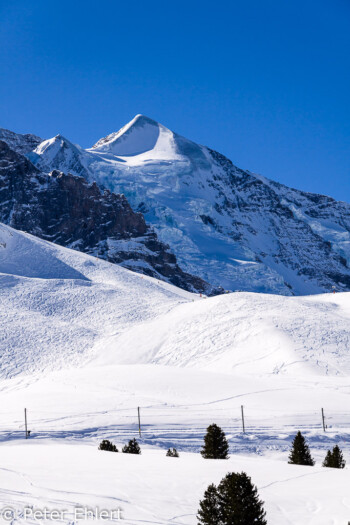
<point>20,143</point>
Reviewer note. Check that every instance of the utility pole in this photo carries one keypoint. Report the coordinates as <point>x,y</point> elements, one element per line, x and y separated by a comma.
<point>323,423</point>
<point>242,412</point>
<point>25,422</point>
<point>138,413</point>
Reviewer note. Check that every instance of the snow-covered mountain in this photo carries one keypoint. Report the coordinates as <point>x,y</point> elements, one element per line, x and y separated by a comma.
<point>60,154</point>
<point>68,210</point>
<point>83,342</point>
<point>229,226</point>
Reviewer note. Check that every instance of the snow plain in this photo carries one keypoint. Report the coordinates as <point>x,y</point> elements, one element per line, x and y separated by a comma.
<point>153,489</point>
<point>83,343</point>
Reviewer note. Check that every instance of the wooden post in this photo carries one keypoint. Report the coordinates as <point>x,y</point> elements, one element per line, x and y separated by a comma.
<point>25,422</point>
<point>243,419</point>
<point>323,423</point>
<point>138,412</point>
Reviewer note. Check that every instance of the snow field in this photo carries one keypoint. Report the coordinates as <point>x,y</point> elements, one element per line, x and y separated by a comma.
<point>154,489</point>
<point>57,302</point>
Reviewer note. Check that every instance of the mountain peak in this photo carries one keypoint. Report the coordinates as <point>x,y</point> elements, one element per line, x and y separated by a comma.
<point>142,119</point>
<point>61,154</point>
<point>60,137</point>
<point>136,137</point>
<point>54,144</point>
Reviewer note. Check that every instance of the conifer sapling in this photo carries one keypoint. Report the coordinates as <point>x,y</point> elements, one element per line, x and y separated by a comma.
<point>215,443</point>
<point>172,453</point>
<point>209,508</point>
<point>234,501</point>
<point>334,459</point>
<point>107,445</point>
<point>132,447</point>
<point>300,452</point>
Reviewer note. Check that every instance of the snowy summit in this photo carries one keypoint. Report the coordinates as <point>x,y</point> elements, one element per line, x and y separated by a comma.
<point>232,228</point>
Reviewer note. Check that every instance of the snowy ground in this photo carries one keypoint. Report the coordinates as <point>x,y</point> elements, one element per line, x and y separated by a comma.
<point>154,489</point>
<point>83,343</point>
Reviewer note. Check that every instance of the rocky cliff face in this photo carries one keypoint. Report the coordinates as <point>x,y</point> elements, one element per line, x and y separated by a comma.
<point>67,210</point>
<point>21,143</point>
<point>305,237</point>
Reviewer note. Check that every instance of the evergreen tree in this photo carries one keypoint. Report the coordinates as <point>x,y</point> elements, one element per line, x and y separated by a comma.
<point>107,445</point>
<point>300,453</point>
<point>132,447</point>
<point>209,512</point>
<point>234,502</point>
<point>338,459</point>
<point>172,453</point>
<point>328,460</point>
<point>215,443</point>
<point>334,459</point>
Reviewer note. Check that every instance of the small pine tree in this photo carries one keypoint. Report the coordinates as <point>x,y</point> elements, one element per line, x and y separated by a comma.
<point>215,443</point>
<point>172,453</point>
<point>132,447</point>
<point>107,445</point>
<point>300,452</point>
<point>328,460</point>
<point>338,459</point>
<point>234,501</point>
<point>334,459</point>
<point>209,508</point>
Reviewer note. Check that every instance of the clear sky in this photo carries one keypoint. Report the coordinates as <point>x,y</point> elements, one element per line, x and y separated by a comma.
<point>266,82</point>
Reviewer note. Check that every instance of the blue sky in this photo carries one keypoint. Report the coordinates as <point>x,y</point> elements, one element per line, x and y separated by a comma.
<point>267,83</point>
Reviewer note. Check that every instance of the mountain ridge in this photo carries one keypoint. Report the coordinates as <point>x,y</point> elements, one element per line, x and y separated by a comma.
<point>231,227</point>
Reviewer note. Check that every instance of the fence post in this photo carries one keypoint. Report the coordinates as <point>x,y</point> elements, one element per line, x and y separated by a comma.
<point>138,413</point>
<point>243,425</point>
<point>323,423</point>
<point>25,422</point>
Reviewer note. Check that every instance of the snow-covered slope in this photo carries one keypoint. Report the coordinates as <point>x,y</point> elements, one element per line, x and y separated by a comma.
<point>139,136</point>
<point>56,303</point>
<point>155,490</point>
<point>231,227</point>
<point>72,298</point>
<point>84,343</point>
<point>248,334</point>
